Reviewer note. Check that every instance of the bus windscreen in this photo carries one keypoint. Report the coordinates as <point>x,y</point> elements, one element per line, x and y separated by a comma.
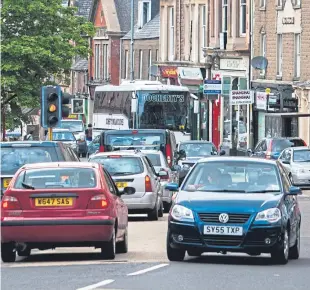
<point>134,139</point>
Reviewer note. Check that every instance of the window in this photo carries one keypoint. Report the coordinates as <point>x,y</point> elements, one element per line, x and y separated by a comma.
<point>297,56</point>
<point>97,61</point>
<point>171,34</point>
<point>144,15</point>
<point>203,25</point>
<point>279,54</point>
<point>105,61</point>
<point>242,17</point>
<point>224,15</point>
<point>262,4</point>
<point>297,2</point>
<point>263,48</point>
<point>109,181</point>
<point>280,3</point>
<point>140,64</point>
<point>126,62</point>
<point>157,55</point>
<point>150,63</point>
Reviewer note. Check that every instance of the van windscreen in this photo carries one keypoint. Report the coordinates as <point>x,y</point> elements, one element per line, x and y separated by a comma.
<point>134,139</point>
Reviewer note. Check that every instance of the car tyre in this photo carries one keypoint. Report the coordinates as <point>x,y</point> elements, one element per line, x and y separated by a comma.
<point>122,247</point>
<point>8,253</point>
<point>295,250</point>
<point>108,249</point>
<point>281,255</point>
<point>174,255</point>
<point>24,253</point>
<point>153,215</point>
<point>161,210</point>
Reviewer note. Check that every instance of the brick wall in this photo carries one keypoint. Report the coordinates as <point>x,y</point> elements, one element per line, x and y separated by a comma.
<point>305,41</point>
<point>145,45</point>
<point>114,65</point>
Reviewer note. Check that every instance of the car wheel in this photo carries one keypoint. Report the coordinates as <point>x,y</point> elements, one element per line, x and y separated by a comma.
<point>109,248</point>
<point>174,255</point>
<point>24,253</point>
<point>153,215</point>
<point>161,210</point>
<point>194,253</point>
<point>8,253</point>
<point>295,250</point>
<point>122,247</point>
<point>167,207</point>
<point>281,255</point>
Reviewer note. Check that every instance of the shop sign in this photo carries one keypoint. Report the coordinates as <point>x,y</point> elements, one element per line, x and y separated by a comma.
<point>169,72</point>
<point>241,97</point>
<point>261,101</point>
<point>72,116</point>
<point>239,64</point>
<point>190,73</point>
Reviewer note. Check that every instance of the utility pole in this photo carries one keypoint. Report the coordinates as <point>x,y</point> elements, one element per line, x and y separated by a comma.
<point>132,40</point>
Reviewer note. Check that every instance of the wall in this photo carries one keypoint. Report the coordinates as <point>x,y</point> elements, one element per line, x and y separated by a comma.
<point>114,60</point>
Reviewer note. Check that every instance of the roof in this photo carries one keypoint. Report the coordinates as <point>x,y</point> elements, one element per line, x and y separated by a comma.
<point>148,31</point>
<point>240,159</point>
<point>282,138</point>
<point>80,65</point>
<point>299,148</point>
<point>120,132</point>
<point>84,8</point>
<point>151,151</point>
<point>123,10</point>
<point>29,144</point>
<point>47,165</point>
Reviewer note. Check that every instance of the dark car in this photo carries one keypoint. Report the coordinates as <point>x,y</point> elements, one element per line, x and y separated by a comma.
<point>235,204</point>
<point>271,148</point>
<point>189,152</point>
<point>15,154</point>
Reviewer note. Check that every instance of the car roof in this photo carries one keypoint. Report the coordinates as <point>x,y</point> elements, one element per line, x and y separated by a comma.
<point>195,141</point>
<point>118,132</point>
<point>237,158</point>
<point>61,130</point>
<point>151,151</point>
<point>49,165</point>
<point>120,152</point>
<point>283,138</point>
<point>17,144</point>
<point>299,148</point>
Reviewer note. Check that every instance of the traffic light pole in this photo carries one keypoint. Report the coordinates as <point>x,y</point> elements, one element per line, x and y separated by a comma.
<point>50,134</point>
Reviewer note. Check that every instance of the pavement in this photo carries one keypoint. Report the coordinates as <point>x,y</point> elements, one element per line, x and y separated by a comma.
<point>146,267</point>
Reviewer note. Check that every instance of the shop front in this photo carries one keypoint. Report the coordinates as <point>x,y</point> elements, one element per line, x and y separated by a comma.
<point>169,75</point>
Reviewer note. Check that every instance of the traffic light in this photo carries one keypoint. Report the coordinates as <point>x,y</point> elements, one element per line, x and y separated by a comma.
<point>50,106</point>
<point>65,100</point>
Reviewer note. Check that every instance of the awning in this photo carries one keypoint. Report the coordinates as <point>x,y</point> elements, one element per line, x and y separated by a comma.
<point>289,115</point>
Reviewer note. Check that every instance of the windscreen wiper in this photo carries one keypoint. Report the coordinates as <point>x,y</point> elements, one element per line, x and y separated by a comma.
<point>262,191</point>
<point>224,190</point>
<point>25,185</point>
<point>122,173</point>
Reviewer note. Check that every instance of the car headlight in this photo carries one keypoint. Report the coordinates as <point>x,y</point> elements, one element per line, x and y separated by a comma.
<point>182,213</point>
<point>271,215</point>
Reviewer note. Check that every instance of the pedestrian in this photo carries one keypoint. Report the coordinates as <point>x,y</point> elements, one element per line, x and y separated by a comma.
<point>29,137</point>
<point>89,132</point>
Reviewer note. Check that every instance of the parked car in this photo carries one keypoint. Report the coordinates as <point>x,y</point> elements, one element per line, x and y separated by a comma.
<point>160,164</point>
<point>296,162</point>
<point>189,152</point>
<point>16,154</point>
<point>65,136</point>
<point>63,204</point>
<point>220,209</point>
<point>271,148</point>
<point>134,169</point>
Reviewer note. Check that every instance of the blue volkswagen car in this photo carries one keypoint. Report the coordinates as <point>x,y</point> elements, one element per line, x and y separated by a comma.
<point>235,204</point>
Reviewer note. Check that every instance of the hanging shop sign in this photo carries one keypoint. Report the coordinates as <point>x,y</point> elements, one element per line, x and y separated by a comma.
<point>241,97</point>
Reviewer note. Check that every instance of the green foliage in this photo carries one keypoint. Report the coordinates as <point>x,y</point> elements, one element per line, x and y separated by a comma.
<point>39,38</point>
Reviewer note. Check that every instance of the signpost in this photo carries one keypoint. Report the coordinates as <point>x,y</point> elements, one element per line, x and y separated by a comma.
<point>212,87</point>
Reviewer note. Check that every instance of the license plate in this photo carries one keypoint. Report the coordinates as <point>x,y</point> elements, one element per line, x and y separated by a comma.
<point>59,201</point>
<point>223,230</point>
<point>6,182</point>
<point>121,184</point>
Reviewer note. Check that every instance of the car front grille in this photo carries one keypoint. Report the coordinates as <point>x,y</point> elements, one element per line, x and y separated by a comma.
<point>233,218</point>
<point>229,241</point>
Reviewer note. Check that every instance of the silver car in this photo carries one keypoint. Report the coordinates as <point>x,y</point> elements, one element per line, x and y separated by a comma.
<point>134,169</point>
<point>65,136</point>
<point>165,173</point>
<point>296,161</point>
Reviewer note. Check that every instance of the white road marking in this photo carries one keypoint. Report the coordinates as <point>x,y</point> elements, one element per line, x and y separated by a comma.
<point>148,270</point>
<point>94,286</point>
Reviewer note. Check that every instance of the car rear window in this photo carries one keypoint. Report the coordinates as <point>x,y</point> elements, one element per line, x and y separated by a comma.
<point>280,145</point>
<point>120,165</point>
<point>12,158</point>
<point>136,139</point>
<point>301,155</point>
<point>155,159</point>
<point>56,178</point>
<point>63,136</point>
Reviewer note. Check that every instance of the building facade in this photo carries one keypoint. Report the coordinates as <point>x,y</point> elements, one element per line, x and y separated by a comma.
<point>281,37</point>
<point>146,42</point>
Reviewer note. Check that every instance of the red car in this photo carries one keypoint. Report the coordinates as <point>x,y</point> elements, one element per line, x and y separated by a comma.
<point>63,204</point>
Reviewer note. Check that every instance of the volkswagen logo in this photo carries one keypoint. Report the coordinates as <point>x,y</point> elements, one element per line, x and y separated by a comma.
<point>224,218</point>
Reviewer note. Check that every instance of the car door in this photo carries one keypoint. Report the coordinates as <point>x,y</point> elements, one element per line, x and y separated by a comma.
<point>120,205</point>
<point>291,205</point>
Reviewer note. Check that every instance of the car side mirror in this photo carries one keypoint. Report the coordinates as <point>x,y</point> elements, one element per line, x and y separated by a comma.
<point>129,190</point>
<point>250,152</point>
<point>222,152</point>
<point>176,168</point>
<point>162,173</point>
<point>294,190</point>
<point>172,186</point>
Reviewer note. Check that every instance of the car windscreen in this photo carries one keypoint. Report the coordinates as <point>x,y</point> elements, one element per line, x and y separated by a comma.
<point>233,176</point>
<point>155,158</point>
<point>280,145</point>
<point>63,136</point>
<point>12,158</point>
<point>120,165</point>
<point>196,149</point>
<point>301,155</point>
<point>137,139</point>
<point>72,126</point>
<point>56,178</point>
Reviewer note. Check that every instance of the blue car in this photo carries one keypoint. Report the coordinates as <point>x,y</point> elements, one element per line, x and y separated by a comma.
<point>235,204</point>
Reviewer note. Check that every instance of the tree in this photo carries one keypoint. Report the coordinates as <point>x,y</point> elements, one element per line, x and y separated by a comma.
<point>39,38</point>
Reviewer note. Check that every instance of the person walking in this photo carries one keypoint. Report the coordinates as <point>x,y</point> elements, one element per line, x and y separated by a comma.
<point>89,132</point>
